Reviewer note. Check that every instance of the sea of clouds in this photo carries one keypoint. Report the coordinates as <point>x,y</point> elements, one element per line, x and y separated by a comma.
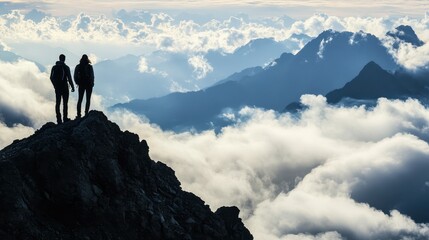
<point>305,176</point>
<point>329,172</point>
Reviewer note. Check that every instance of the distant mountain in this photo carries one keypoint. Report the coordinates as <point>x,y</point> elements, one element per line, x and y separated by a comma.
<point>7,56</point>
<point>44,53</point>
<point>325,63</point>
<point>255,53</point>
<point>86,179</point>
<point>406,34</point>
<point>248,72</point>
<point>163,72</point>
<point>122,80</point>
<point>373,82</point>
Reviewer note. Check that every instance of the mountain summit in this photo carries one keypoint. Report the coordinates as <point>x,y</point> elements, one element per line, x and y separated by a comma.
<point>373,82</point>
<point>406,34</point>
<point>86,179</point>
<point>325,63</point>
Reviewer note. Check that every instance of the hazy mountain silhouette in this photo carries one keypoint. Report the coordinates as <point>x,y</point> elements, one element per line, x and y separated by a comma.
<point>373,82</point>
<point>168,72</point>
<point>43,53</point>
<point>325,63</point>
<point>248,72</point>
<point>86,179</point>
<point>257,52</point>
<point>406,34</point>
<point>7,56</point>
<point>122,79</point>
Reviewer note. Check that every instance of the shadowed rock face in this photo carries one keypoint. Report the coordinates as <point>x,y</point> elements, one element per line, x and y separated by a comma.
<point>86,179</point>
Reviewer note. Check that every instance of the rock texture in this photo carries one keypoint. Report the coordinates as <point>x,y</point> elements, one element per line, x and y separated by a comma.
<point>86,179</point>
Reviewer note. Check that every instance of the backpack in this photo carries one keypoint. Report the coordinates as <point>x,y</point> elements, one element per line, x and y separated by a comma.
<point>58,75</point>
<point>84,75</point>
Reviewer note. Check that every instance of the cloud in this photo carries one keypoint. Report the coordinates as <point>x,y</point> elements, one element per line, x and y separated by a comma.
<point>143,66</point>
<point>26,90</point>
<point>4,46</point>
<point>307,177</point>
<point>145,32</point>
<point>200,65</point>
<point>411,57</point>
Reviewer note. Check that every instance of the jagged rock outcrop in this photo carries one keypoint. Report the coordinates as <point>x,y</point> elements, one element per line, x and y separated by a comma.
<point>86,179</point>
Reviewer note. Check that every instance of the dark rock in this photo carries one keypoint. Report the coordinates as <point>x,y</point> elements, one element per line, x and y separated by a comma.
<point>234,225</point>
<point>86,179</point>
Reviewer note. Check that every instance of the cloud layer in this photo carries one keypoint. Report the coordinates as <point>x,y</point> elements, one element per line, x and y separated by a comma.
<point>141,32</point>
<point>328,173</point>
<point>304,176</point>
<point>300,178</point>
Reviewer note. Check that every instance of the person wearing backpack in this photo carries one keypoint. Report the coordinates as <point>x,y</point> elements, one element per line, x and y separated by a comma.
<point>84,78</point>
<point>60,78</point>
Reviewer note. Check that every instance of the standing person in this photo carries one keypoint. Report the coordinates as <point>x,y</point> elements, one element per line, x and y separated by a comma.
<point>84,77</point>
<point>60,78</point>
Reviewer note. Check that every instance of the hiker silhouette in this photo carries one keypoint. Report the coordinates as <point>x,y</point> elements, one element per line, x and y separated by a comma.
<point>60,78</point>
<point>84,78</point>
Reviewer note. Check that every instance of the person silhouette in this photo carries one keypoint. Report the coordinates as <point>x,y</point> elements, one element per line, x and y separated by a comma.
<point>84,78</point>
<point>60,78</point>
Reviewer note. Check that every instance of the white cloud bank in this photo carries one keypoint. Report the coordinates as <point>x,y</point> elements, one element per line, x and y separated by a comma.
<point>143,32</point>
<point>294,178</point>
<point>306,177</point>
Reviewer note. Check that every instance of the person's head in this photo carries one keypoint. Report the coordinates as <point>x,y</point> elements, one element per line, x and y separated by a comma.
<point>85,59</point>
<point>62,57</point>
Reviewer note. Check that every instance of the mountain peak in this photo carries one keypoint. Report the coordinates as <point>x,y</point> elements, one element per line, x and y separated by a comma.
<point>371,67</point>
<point>406,34</point>
<point>374,82</point>
<point>86,179</point>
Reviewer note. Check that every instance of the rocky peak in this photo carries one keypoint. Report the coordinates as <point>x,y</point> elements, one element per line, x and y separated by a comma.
<point>86,179</point>
<point>406,34</point>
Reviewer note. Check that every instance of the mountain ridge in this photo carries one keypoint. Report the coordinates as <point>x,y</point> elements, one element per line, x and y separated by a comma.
<point>325,63</point>
<point>373,82</point>
<point>86,179</point>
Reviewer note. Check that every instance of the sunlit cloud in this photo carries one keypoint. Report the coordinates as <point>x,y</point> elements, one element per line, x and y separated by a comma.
<point>305,176</point>
<point>263,164</point>
<point>287,192</point>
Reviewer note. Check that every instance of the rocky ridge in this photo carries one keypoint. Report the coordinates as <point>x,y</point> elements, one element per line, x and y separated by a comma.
<point>86,179</point>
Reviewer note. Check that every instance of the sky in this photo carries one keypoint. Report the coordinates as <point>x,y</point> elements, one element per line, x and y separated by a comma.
<point>322,174</point>
<point>294,9</point>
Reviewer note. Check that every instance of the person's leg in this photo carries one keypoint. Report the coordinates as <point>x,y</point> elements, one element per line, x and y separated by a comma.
<point>88,99</point>
<point>65,104</point>
<point>79,101</point>
<point>57,105</point>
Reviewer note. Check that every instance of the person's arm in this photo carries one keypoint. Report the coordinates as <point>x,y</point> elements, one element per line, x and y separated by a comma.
<point>92,75</point>
<point>69,78</point>
<point>76,74</point>
<point>52,75</point>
